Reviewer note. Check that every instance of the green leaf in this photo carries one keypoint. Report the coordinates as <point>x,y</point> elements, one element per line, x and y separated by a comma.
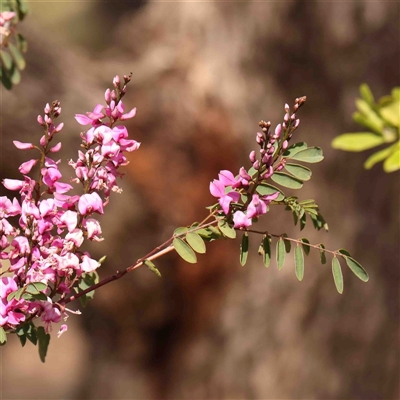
<point>36,287</point>
<point>288,245</point>
<point>181,230</point>
<point>44,340</point>
<point>17,294</point>
<point>380,155</point>
<point>22,43</point>
<point>322,253</point>
<point>286,180</point>
<point>280,253</point>
<point>3,336</point>
<point>150,265</point>
<point>303,221</point>
<point>307,202</point>
<point>357,269</point>
<point>337,275</point>
<point>299,171</point>
<point>357,141</point>
<point>293,149</point>
<point>227,230</point>
<point>5,79</point>
<point>392,163</point>
<point>15,75</point>
<point>310,155</point>
<point>6,59</point>
<point>30,332</point>
<point>305,247</point>
<point>17,56</point>
<point>299,262</point>
<point>266,246</point>
<point>345,252</point>
<point>391,113</point>
<point>367,95</point>
<point>396,93</point>
<point>265,189</point>
<point>244,248</point>
<point>184,250</point>
<point>196,242</point>
<point>32,297</point>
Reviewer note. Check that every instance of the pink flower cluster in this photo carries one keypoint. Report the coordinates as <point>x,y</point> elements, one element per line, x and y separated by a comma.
<point>231,190</point>
<point>45,242</point>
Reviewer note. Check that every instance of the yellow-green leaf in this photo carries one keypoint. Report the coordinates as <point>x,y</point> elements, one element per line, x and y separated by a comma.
<point>299,262</point>
<point>337,275</point>
<point>184,250</point>
<point>357,141</point>
<point>196,242</point>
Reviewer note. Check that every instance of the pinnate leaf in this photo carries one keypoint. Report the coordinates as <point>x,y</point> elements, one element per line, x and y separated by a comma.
<point>286,180</point>
<point>299,171</point>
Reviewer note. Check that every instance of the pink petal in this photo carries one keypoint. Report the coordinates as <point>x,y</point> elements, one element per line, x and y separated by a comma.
<point>13,184</point>
<point>26,167</point>
<point>23,146</point>
<point>83,119</point>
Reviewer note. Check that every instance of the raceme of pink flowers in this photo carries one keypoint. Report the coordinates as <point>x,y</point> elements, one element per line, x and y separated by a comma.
<point>43,228</point>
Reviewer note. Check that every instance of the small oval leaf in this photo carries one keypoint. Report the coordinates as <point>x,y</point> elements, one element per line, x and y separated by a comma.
<point>150,265</point>
<point>227,230</point>
<point>3,336</point>
<point>294,149</point>
<point>299,262</point>
<point>184,250</point>
<point>310,155</point>
<point>266,245</point>
<point>357,269</point>
<point>286,180</point>
<point>244,249</point>
<point>337,275</point>
<point>322,253</point>
<point>357,141</point>
<point>280,253</point>
<point>265,189</point>
<point>305,247</point>
<point>196,242</point>
<point>299,171</point>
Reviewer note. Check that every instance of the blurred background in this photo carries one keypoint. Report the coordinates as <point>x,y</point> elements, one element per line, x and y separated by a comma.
<point>204,74</point>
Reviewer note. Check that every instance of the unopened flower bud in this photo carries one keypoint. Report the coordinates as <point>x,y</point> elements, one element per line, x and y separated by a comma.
<point>252,156</point>
<point>40,120</point>
<point>296,107</point>
<point>268,173</point>
<point>42,140</point>
<point>47,109</point>
<point>107,96</point>
<point>48,120</point>
<point>278,131</point>
<point>284,126</point>
<point>287,109</point>
<point>286,117</point>
<point>280,167</point>
<point>113,95</point>
<point>123,90</point>
<point>271,150</point>
<point>296,123</point>
<point>293,117</point>
<point>262,152</point>
<point>116,81</point>
<point>267,159</point>
<point>256,165</point>
<point>285,145</point>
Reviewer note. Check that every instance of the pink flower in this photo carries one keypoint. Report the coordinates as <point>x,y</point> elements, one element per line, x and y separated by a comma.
<point>23,146</point>
<point>93,229</point>
<point>70,219</point>
<point>217,189</point>
<point>240,220</point>
<point>88,264</point>
<point>256,207</point>
<point>89,203</point>
<point>227,178</point>
<point>13,184</point>
<point>26,167</point>
<point>91,117</point>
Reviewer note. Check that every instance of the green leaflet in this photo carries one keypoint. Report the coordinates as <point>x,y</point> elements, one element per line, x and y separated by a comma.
<point>299,171</point>
<point>367,95</point>
<point>44,340</point>
<point>3,336</point>
<point>17,56</point>
<point>299,262</point>
<point>392,163</point>
<point>357,141</point>
<point>280,253</point>
<point>266,246</point>
<point>244,248</point>
<point>380,155</point>
<point>266,189</point>
<point>322,253</point>
<point>391,113</point>
<point>150,265</point>
<point>309,155</point>
<point>227,230</point>
<point>357,269</point>
<point>6,59</point>
<point>196,242</point>
<point>293,149</point>
<point>286,180</point>
<point>184,250</point>
<point>305,247</point>
<point>337,275</point>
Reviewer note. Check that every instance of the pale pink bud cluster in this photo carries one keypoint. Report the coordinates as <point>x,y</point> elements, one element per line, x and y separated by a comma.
<point>45,245</point>
<point>237,195</point>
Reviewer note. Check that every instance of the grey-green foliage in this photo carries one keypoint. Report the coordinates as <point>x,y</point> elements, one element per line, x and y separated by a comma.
<point>382,119</point>
<point>12,44</point>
